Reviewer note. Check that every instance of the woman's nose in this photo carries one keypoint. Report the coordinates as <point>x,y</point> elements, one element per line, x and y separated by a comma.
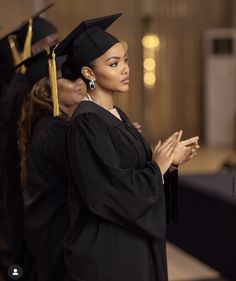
<point>125,68</point>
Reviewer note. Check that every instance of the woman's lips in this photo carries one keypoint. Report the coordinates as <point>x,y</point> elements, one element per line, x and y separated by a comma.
<point>125,81</point>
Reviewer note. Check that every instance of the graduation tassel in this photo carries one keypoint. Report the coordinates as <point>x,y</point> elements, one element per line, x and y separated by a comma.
<point>15,54</point>
<point>27,45</point>
<point>53,81</point>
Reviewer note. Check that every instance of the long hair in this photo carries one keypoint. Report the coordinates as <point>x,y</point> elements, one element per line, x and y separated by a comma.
<point>36,104</point>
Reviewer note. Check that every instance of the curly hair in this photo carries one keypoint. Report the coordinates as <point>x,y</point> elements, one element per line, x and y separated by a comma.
<point>36,104</point>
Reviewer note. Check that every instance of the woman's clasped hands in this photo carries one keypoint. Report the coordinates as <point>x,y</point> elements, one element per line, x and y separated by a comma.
<point>175,152</point>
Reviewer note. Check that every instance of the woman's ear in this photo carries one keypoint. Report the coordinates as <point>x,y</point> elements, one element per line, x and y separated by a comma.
<point>87,73</point>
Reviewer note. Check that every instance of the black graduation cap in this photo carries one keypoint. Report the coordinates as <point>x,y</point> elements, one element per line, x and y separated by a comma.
<point>86,42</point>
<point>40,29</point>
<point>40,66</point>
<point>37,66</point>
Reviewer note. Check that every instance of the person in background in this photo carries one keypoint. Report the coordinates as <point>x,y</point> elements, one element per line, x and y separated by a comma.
<point>44,34</point>
<point>120,194</point>
<point>44,176</point>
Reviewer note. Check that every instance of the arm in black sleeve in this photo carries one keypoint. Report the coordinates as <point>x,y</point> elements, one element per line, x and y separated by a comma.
<point>171,196</point>
<point>130,198</point>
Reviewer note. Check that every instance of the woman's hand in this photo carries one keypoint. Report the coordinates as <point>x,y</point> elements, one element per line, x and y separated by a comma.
<point>163,154</point>
<point>185,150</point>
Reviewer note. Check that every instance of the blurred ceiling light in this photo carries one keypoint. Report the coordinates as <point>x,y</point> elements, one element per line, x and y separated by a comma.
<point>149,64</point>
<point>149,79</point>
<point>151,41</point>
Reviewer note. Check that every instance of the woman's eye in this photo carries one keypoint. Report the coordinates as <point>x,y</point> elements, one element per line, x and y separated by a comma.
<point>126,60</point>
<point>114,64</point>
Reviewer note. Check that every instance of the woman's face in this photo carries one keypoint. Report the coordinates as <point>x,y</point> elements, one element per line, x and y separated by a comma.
<point>111,70</point>
<point>70,93</point>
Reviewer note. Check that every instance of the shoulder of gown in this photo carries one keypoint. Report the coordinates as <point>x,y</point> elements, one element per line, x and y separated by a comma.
<point>48,139</point>
<point>48,128</point>
<point>88,107</point>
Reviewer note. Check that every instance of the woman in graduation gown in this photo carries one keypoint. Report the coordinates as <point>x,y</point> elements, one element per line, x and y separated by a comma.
<point>117,202</point>
<point>43,167</point>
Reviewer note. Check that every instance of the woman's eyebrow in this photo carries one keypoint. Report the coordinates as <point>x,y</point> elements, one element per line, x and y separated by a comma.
<point>115,57</point>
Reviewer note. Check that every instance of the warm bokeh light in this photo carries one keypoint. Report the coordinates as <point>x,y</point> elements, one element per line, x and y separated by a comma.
<point>149,79</point>
<point>149,64</point>
<point>151,41</point>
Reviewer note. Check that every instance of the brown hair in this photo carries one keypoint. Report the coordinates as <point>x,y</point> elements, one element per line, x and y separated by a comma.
<point>36,104</point>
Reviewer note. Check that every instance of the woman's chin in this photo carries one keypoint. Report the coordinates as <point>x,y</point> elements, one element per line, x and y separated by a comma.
<point>123,89</point>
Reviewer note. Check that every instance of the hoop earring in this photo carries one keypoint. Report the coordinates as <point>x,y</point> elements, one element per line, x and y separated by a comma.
<point>92,85</point>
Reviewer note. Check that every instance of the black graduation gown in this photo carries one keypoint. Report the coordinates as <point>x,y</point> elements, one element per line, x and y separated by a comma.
<point>45,198</point>
<point>5,256</point>
<point>5,253</point>
<point>116,201</point>
<point>13,208</point>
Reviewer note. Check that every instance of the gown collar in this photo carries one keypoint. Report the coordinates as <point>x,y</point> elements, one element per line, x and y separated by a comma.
<point>87,106</point>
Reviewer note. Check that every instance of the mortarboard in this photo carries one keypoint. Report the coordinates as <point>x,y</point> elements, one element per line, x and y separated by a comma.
<point>41,28</point>
<point>85,43</point>
<point>38,67</point>
<point>21,39</point>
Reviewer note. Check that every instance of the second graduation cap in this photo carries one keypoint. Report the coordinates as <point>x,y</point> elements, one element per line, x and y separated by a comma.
<point>41,28</point>
<point>37,66</point>
<point>21,38</point>
<point>40,66</point>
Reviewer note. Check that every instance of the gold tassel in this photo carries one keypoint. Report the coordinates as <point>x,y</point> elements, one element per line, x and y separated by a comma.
<point>15,54</point>
<point>27,46</point>
<point>53,81</point>
<point>28,39</point>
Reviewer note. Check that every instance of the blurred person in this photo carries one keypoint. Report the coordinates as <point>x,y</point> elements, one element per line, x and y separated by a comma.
<point>19,84</point>
<point>43,166</point>
<point>118,204</point>
<point>32,36</point>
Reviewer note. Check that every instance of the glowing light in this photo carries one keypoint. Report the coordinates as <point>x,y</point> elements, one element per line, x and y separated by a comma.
<point>151,41</point>
<point>149,79</point>
<point>149,64</point>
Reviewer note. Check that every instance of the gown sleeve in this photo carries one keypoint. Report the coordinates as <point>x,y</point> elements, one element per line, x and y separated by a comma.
<point>131,198</point>
<point>171,196</point>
